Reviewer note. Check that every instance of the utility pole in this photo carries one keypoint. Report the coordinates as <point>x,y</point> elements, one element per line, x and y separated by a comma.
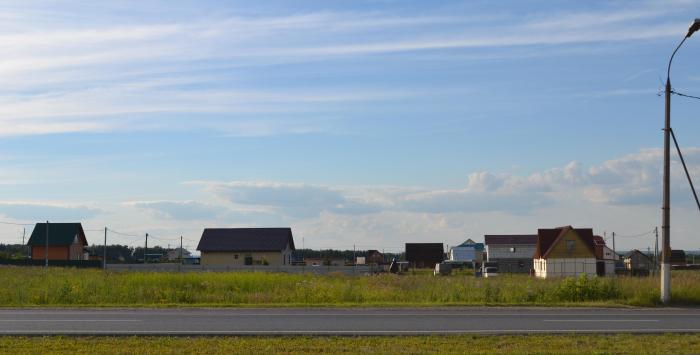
<point>354,259</point>
<point>46,247</point>
<point>179,266</point>
<point>666,207</point>
<point>104,252</point>
<point>145,250</point>
<point>24,232</point>
<point>656,250</point>
<point>614,250</point>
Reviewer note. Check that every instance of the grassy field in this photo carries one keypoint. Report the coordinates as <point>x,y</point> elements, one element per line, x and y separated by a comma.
<point>462,344</point>
<point>22,286</point>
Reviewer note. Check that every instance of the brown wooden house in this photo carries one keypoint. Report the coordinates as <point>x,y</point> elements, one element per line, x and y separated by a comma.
<point>638,263</point>
<point>66,241</point>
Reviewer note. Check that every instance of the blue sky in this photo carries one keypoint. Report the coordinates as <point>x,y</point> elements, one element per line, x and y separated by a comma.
<point>371,123</point>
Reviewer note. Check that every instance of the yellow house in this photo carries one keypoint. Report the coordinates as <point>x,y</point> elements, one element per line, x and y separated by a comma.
<point>246,246</point>
<point>564,251</point>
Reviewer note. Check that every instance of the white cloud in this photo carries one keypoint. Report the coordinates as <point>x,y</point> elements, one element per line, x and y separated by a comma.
<point>634,179</point>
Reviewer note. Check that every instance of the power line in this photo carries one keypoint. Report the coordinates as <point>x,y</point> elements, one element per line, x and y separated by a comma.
<point>17,224</point>
<point>635,235</point>
<point>684,95</point>
<point>124,234</point>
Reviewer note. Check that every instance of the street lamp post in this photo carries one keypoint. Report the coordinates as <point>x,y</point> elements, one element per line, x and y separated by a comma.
<point>666,209</point>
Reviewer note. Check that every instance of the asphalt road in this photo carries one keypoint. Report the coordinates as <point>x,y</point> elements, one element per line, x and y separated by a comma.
<point>358,321</point>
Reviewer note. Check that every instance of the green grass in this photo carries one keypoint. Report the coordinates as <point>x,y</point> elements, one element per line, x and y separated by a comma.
<point>23,286</point>
<point>458,344</point>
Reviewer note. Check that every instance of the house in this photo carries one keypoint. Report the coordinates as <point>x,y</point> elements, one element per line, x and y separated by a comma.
<point>467,252</point>
<point>564,251</point>
<point>678,258</point>
<point>424,255</point>
<point>330,261</point>
<point>605,257</point>
<point>512,252</point>
<point>374,257</point>
<point>176,255</point>
<point>246,246</point>
<point>637,263</point>
<point>66,242</point>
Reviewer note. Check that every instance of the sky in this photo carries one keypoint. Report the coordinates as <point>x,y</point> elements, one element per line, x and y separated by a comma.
<point>362,124</point>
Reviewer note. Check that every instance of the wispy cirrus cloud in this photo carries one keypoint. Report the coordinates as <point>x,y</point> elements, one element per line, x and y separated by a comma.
<point>61,75</point>
<point>42,211</point>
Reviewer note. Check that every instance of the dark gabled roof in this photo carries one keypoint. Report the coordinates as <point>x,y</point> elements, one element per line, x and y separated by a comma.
<point>547,238</point>
<point>678,255</point>
<point>517,239</point>
<point>246,239</point>
<point>60,234</point>
<point>636,251</point>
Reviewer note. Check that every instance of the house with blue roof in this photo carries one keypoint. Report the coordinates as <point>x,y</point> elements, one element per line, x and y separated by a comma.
<point>467,252</point>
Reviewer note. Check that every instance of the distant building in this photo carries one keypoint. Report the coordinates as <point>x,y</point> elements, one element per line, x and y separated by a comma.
<point>512,252</point>
<point>564,251</point>
<point>678,258</point>
<point>605,257</point>
<point>175,254</point>
<point>246,246</point>
<point>467,252</point>
<point>66,242</point>
<point>637,263</point>
<point>374,257</point>
<point>424,255</point>
<point>331,261</point>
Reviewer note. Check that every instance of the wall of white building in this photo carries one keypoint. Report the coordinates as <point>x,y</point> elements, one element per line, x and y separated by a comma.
<point>465,254</point>
<point>509,251</point>
<point>562,267</point>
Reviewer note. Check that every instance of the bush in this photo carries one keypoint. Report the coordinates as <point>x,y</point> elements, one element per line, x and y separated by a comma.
<point>583,289</point>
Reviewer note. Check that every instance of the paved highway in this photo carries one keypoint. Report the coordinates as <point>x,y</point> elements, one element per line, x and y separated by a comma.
<point>331,321</point>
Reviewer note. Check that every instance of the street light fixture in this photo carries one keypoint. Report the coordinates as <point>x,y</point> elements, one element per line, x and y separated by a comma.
<point>666,209</point>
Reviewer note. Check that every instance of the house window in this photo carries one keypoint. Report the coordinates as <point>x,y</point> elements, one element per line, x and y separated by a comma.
<point>248,260</point>
<point>570,245</point>
<point>235,256</point>
<point>512,250</point>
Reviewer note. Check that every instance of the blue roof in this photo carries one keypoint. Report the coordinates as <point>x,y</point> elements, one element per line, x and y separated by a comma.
<point>470,244</point>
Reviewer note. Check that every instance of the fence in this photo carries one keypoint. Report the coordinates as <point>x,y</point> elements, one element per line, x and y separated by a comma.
<point>64,263</point>
<point>573,267</point>
<point>321,270</point>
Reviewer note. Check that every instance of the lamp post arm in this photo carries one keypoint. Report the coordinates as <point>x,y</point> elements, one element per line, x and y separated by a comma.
<point>668,71</point>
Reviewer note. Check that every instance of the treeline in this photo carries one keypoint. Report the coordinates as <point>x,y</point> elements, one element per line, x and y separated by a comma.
<point>13,251</point>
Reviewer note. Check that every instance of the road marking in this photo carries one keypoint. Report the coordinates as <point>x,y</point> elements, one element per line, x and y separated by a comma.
<point>70,320</point>
<point>600,320</point>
